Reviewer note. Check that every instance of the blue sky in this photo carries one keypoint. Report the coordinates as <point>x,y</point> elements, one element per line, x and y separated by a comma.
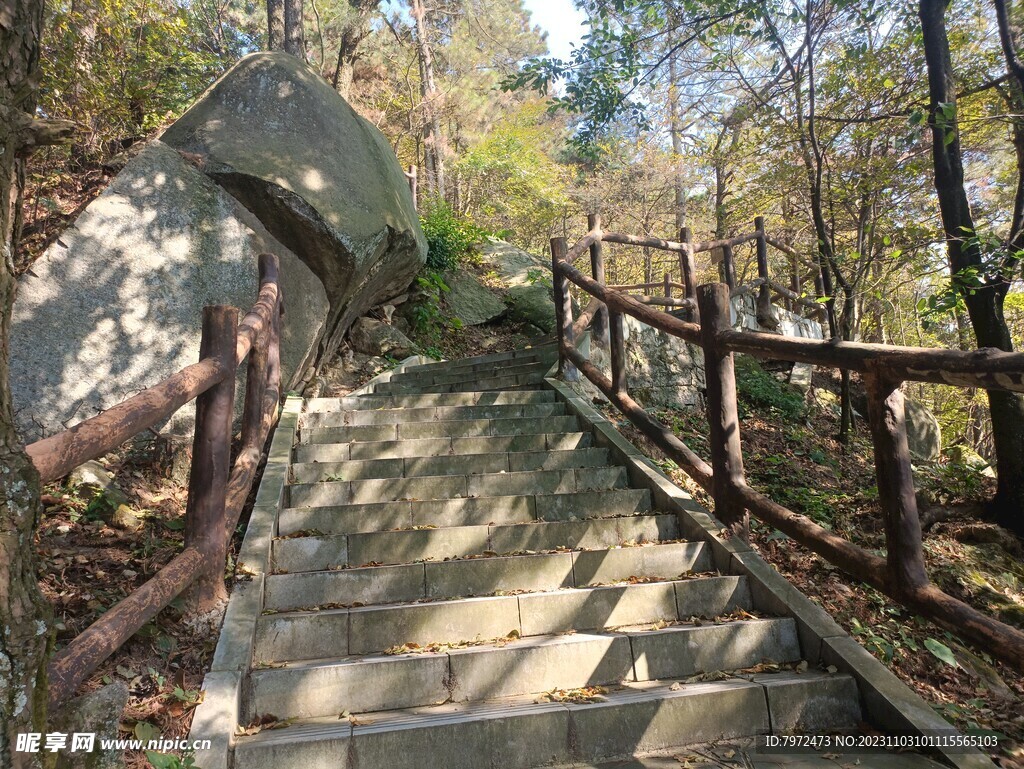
<point>561,20</point>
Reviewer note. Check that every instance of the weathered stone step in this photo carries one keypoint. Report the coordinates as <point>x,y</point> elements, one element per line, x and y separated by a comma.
<point>456,428</point>
<point>470,373</point>
<point>338,551</point>
<point>532,379</point>
<point>481,576</point>
<point>436,447</point>
<point>312,421</point>
<point>465,464</point>
<point>293,636</point>
<point>472,511</point>
<point>521,733</point>
<point>349,403</point>
<point>546,352</point>
<point>527,666</point>
<point>341,492</point>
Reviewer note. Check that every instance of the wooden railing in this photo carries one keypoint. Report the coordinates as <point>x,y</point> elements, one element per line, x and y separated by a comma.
<point>216,491</point>
<point>767,290</point>
<point>901,573</point>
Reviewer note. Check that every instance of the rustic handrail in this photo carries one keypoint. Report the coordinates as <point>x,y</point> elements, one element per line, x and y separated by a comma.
<point>217,491</point>
<point>901,573</point>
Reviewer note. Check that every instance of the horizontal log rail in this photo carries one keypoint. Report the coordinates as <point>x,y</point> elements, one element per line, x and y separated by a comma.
<point>217,490</point>
<point>901,573</point>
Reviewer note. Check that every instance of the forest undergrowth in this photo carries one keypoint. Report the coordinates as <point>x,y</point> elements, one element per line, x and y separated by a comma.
<point>791,454</point>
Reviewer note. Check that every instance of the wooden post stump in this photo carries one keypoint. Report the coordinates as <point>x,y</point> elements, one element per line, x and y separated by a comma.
<point>600,327</point>
<point>211,460</point>
<point>563,309</point>
<point>723,416</point>
<point>896,495</point>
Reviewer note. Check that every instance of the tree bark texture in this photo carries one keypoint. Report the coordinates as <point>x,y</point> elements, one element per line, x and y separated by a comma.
<point>24,614</point>
<point>275,25</point>
<point>433,139</point>
<point>984,303</point>
<point>294,29</point>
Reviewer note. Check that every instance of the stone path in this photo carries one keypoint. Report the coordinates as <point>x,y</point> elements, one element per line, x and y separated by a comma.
<point>464,576</point>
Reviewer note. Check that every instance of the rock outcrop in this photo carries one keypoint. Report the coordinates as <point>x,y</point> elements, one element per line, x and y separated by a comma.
<point>115,304</point>
<point>924,435</point>
<point>371,337</point>
<point>323,180</point>
<point>528,278</point>
<point>471,301</point>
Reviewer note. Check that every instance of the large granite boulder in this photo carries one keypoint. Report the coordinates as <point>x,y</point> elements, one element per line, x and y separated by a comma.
<point>514,266</point>
<point>115,305</point>
<point>324,181</point>
<point>471,301</point>
<point>371,337</point>
<point>532,305</point>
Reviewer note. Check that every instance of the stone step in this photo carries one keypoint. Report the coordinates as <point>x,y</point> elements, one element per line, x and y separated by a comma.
<point>522,733</point>
<point>528,354</point>
<point>525,666</point>
<point>436,447</point>
<point>481,576</point>
<point>473,511</point>
<point>456,428</point>
<point>428,414</point>
<point>533,379</point>
<point>464,464</point>
<point>339,551</point>
<point>342,492</point>
<point>294,636</point>
<point>348,403</point>
<point>470,373</point>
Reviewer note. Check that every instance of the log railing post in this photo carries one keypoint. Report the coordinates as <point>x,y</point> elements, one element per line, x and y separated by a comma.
<point>728,266</point>
<point>723,416</point>
<point>256,373</point>
<point>563,309</point>
<point>668,286</point>
<point>600,327</point>
<point>211,460</point>
<point>688,270</point>
<point>620,382</point>
<point>887,420</point>
<point>764,313</point>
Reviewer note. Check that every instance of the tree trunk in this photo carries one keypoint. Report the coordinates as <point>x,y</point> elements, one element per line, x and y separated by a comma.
<point>984,303</point>
<point>294,29</point>
<point>676,130</point>
<point>24,613</point>
<point>433,139</point>
<point>352,36</point>
<point>275,25</point>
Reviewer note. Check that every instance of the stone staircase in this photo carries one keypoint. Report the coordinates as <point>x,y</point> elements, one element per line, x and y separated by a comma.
<point>462,578</point>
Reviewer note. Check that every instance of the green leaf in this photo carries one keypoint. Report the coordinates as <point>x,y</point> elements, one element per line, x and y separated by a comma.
<point>941,652</point>
<point>145,731</point>
<point>162,760</point>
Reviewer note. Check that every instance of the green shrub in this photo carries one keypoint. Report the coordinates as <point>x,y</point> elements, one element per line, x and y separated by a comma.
<point>757,389</point>
<point>450,237</point>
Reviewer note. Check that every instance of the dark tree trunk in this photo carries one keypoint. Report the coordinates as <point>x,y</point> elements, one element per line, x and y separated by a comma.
<point>24,614</point>
<point>352,37</point>
<point>294,29</point>
<point>984,303</point>
<point>275,25</point>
